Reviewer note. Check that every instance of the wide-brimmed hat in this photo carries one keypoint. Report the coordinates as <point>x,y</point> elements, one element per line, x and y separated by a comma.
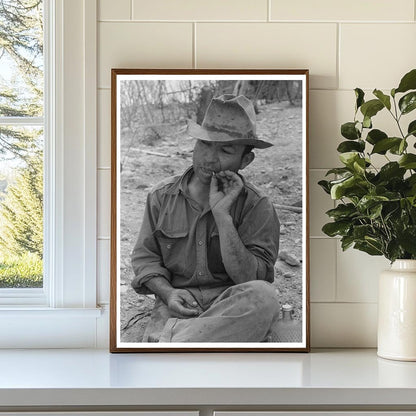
<point>229,118</point>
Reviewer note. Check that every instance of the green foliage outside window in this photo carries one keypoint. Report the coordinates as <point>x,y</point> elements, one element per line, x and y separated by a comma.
<point>21,147</point>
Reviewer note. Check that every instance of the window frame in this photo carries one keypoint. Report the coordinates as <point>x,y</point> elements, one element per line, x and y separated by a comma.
<point>69,291</point>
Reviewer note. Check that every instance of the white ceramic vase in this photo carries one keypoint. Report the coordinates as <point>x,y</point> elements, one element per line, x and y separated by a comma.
<point>397,312</point>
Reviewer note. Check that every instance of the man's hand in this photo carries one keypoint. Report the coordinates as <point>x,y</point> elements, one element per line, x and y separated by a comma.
<point>182,304</point>
<point>222,201</point>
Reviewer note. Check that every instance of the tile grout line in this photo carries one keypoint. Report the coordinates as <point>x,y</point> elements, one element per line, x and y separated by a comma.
<point>269,11</point>
<point>308,22</point>
<point>355,302</point>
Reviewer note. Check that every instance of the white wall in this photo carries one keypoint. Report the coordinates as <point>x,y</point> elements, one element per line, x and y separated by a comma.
<point>345,44</point>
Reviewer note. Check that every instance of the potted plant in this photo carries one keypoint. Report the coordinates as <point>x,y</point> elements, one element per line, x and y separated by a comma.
<point>376,209</point>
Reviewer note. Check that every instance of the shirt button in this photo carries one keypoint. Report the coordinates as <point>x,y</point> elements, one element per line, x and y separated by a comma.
<point>169,246</point>
<point>200,273</point>
<point>200,243</point>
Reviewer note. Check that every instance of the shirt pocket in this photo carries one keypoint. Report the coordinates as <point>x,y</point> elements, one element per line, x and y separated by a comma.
<point>172,245</point>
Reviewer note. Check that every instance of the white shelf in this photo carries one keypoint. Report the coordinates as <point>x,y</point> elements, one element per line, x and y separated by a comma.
<point>41,378</point>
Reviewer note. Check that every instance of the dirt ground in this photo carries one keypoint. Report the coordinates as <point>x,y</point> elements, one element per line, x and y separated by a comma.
<point>276,171</point>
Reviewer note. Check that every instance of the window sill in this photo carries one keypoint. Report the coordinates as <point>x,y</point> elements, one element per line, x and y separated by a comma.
<point>35,311</point>
<point>39,327</point>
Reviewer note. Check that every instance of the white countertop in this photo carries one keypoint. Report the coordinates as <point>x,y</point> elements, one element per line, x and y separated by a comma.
<point>96,377</point>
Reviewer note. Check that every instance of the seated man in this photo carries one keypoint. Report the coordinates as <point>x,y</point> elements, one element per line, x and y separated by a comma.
<point>209,239</point>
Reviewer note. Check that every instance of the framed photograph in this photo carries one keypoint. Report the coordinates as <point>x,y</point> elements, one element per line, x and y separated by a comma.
<point>209,211</point>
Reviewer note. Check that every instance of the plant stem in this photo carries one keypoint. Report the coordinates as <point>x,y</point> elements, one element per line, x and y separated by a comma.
<point>388,234</point>
<point>396,119</point>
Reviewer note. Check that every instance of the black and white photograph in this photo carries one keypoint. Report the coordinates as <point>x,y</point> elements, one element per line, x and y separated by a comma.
<point>209,214</point>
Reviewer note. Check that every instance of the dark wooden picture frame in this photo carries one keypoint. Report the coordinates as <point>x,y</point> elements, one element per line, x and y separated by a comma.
<point>150,109</point>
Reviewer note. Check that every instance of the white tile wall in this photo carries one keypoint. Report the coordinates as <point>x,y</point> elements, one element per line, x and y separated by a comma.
<point>345,44</point>
<point>328,110</point>
<point>371,10</point>
<point>200,10</point>
<point>142,45</point>
<point>387,52</point>
<point>323,269</point>
<point>343,325</point>
<point>270,45</point>
<point>114,10</point>
<point>357,275</point>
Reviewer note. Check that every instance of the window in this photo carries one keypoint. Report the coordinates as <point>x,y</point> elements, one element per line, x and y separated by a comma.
<point>63,312</point>
<point>22,128</point>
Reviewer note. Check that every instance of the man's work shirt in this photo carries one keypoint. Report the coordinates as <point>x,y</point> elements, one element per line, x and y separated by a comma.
<point>179,240</point>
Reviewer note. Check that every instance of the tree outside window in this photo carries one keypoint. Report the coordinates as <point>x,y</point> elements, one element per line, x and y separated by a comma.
<point>21,143</point>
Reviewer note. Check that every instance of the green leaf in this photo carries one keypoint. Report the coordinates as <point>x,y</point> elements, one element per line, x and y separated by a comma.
<point>411,180</point>
<point>375,212</point>
<point>368,248</point>
<point>391,170</point>
<point>342,211</point>
<point>411,130</point>
<point>348,158</point>
<point>325,186</point>
<point>367,122</point>
<point>361,231</point>
<point>402,147</point>
<point>408,161</point>
<point>385,99</point>
<point>349,131</point>
<point>383,145</point>
<point>369,201</point>
<point>374,136</point>
<point>411,184</point>
<point>408,102</point>
<point>408,82</point>
<point>412,201</point>
<point>359,166</point>
<point>407,239</point>
<point>391,212</point>
<point>336,228</point>
<point>338,171</point>
<point>359,94</point>
<point>338,189</point>
<point>374,242</point>
<point>393,92</point>
<point>350,187</point>
<point>413,211</point>
<point>394,251</point>
<point>371,108</point>
<point>346,242</point>
<point>398,149</point>
<point>350,146</point>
